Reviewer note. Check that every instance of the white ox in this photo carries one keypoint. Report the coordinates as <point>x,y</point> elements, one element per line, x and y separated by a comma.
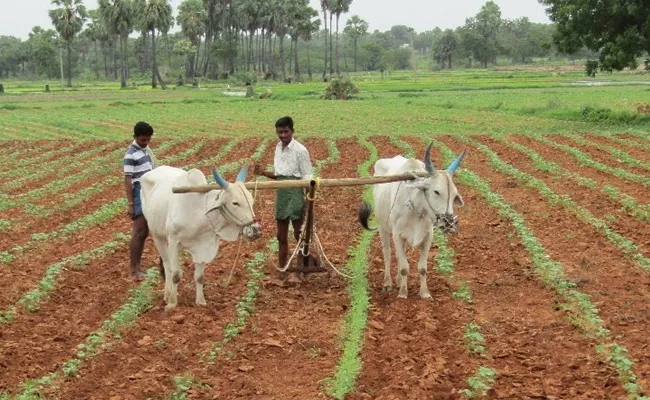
<point>195,222</point>
<point>409,211</point>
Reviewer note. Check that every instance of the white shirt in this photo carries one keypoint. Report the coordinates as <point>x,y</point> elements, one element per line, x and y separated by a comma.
<point>292,160</point>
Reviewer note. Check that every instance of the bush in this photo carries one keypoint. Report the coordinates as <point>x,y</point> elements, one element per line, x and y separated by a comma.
<point>591,67</point>
<point>340,89</point>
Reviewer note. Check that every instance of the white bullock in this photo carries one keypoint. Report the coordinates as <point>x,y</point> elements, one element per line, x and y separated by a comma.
<point>409,211</point>
<point>195,222</point>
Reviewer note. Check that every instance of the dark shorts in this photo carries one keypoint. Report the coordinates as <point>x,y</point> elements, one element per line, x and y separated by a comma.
<point>137,202</point>
<point>289,203</point>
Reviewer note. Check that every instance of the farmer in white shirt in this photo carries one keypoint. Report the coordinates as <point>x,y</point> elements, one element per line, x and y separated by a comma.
<point>291,161</point>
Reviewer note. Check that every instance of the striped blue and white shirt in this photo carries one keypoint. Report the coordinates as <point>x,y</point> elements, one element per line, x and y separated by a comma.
<point>136,162</point>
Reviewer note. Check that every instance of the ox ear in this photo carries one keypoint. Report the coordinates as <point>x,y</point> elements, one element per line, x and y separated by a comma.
<point>428,164</point>
<point>454,165</point>
<point>458,200</point>
<point>219,179</point>
<point>241,176</point>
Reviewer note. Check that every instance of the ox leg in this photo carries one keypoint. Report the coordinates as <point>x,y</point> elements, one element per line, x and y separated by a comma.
<point>422,268</point>
<point>385,247</point>
<point>173,275</point>
<point>402,265</point>
<point>198,280</point>
<point>162,246</point>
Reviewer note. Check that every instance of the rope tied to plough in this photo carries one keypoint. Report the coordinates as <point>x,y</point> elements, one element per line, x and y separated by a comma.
<point>319,245</point>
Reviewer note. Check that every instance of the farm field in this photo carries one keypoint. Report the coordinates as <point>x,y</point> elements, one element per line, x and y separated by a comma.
<point>544,293</point>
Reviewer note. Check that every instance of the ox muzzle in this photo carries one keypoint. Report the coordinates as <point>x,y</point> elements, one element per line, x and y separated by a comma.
<point>447,223</point>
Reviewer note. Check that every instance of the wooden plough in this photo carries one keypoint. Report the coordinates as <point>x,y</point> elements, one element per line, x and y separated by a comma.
<point>305,262</point>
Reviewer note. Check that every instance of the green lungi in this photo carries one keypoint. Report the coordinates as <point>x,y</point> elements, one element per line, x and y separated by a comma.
<point>289,203</point>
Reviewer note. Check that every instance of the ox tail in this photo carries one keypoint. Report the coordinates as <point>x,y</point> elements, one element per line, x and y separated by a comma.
<point>161,268</point>
<point>364,215</point>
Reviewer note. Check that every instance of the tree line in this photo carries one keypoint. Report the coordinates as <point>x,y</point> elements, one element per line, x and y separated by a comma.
<point>275,39</point>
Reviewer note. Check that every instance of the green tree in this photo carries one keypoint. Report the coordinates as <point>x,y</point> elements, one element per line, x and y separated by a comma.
<point>42,44</point>
<point>480,33</point>
<point>339,7</point>
<point>306,30</point>
<point>154,15</point>
<point>445,47</point>
<point>618,29</point>
<point>325,6</point>
<point>68,20</point>
<point>192,18</point>
<point>118,17</point>
<point>355,27</point>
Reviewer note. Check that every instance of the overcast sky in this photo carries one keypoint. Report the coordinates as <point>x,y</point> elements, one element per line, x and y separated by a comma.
<point>18,16</point>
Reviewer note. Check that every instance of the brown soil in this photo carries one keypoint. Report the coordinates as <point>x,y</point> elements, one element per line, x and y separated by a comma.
<point>103,150</point>
<point>38,343</point>
<point>635,151</point>
<point>569,162</point>
<point>617,287</point>
<point>291,344</point>
<point>601,156</point>
<point>595,201</point>
<point>24,225</point>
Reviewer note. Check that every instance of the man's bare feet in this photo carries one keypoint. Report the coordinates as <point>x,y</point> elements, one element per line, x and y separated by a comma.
<point>138,275</point>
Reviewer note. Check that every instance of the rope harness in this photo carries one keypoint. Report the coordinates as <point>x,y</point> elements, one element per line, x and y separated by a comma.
<point>447,221</point>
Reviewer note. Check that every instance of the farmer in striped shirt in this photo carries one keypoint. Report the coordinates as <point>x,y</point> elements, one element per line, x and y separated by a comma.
<point>138,160</point>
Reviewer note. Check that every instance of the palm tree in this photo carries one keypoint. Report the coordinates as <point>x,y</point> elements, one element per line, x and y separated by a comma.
<point>192,18</point>
<point>325,6</point>
<point>68,19</point>
<point>155,15</point>
<point>339,7</point>
<point>306,29</point>
<point>94,34</point>
<point>117,16</point>
<point>355,27</point>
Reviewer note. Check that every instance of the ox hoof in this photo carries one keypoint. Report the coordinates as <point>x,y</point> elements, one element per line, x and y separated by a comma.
<point>387,289</point>
<point>426,296</point>
<point>170,307</point>
<point>201,303</point>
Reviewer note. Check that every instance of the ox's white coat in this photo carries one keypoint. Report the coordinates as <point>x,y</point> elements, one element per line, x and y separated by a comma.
<point>402,210</point>
<point>179,222</point>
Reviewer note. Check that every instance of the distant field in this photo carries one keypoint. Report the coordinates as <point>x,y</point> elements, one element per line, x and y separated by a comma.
<point>543,293</point>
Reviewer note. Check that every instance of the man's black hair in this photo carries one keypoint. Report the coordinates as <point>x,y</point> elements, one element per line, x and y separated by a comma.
<point>142,129</point>
<point>284,122</point>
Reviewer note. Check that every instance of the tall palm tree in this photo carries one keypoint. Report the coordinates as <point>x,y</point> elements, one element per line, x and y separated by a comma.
<point>192,18</point>
<point>155,15</point>
<point>68,19</point>
<point>117,16</point>
<point>325,6</point>
<point>339,7</point>
<point>306,29</point>
<point>355,27</point>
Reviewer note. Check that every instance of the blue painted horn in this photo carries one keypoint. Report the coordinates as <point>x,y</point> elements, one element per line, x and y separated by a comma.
<point>241,176</point>
<point>428,164</point>
<point>219,179</point>
<point>454,165</point>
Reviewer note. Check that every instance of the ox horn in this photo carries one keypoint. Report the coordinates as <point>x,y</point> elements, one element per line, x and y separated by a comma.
<point>241,176</point>
<point>428,164</point>
<point>454,165</point>
<point>219,179</point>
